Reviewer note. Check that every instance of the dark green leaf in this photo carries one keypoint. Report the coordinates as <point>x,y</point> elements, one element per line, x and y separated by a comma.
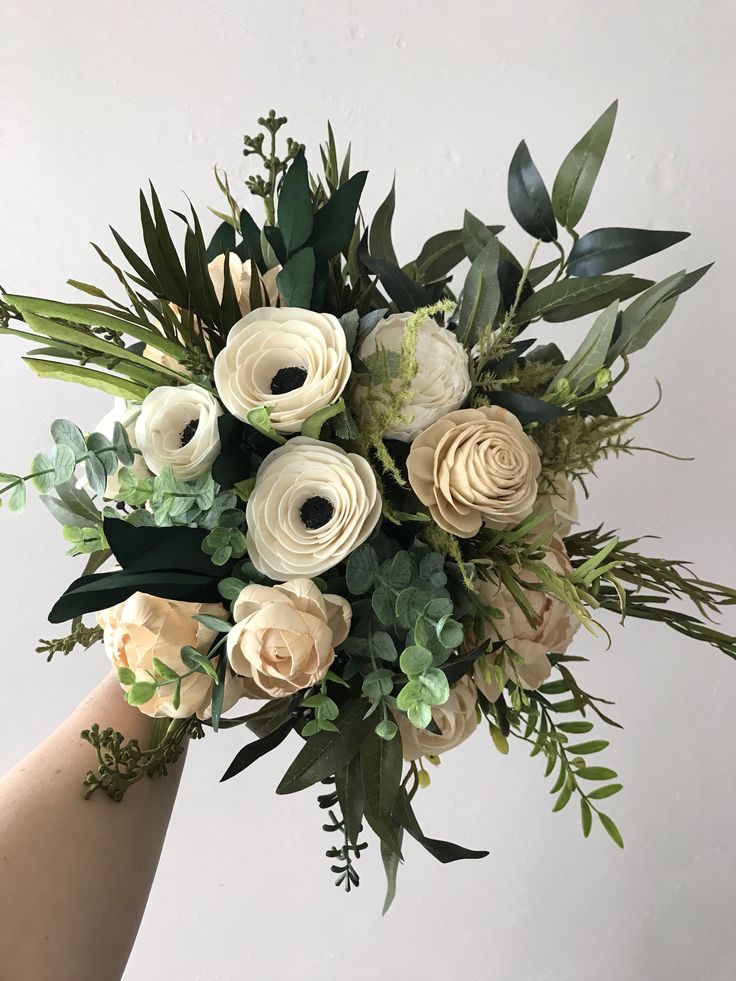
<point>252,239</point>
<point>586,816</point>
<point>606,249</point>
<point>526,408</point>
<point>379,233</point>
<point>296,279</point>
<point>326,753</point>
<point>222,241</point>
<point>528,197</point>
<point>255,750</point>
<point>351,797</point>
<point>381,763</point>
<point>575,294</point>
<point>481,294</point>
<point>334,223</point>
<point>391,867</point>
<point>361,569</point>
<point>443,851</point>
<point>295,215</point>
<point>576,177</point>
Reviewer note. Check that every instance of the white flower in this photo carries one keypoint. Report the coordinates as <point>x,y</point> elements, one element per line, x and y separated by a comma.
<point>559,507</point>
<point>311,506</point>
<point>241,275</point>
<point>284,636</point>
<point>178,427</point>
<point>442,382</point>
<point>456,720</point>
<point>126,414</point>
<point>292,359</point>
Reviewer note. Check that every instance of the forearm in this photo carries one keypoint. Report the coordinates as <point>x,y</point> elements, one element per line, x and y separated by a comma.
<point>75,874</point>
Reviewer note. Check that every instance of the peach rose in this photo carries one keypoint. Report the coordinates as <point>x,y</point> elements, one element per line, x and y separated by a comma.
<point>284,636</point>
<point>474,467</point>
<point>456,720</point>
<point>556,626</point>
<point>143,627</point>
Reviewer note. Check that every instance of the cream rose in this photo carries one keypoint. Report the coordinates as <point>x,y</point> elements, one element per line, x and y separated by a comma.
<point>311,506</point>
<point>456,720</point>
<point>178,427</point>
<point>291,359</point>
<point>442,382</point>
<point>126,414</point>
<point>144,627</point>
<point>555,628</point>
<point>474,467</point>
<point>559,506</point>
<point>241,274</point>
<point>284,636</point>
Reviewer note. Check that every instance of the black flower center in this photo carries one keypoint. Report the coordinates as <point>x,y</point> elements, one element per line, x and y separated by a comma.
<point>187,434</point>
<point>316,512</point>
<point>287,379</point>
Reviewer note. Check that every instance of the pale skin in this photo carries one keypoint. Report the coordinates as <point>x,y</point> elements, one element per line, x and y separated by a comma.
<point>75,874</point>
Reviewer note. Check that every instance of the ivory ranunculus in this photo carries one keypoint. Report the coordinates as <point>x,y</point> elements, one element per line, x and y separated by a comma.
<point>126,414</point>
<point>284,636</point>
<point>559,506</point>
<point>178,427</point>
<point>555,628</point>
<point>311,506</point>
<point>456,720</point>
<point>294,360</point>
<point>143,627</point>
<point>474,467</point>
<point>241,275</point>
<point>442,382</point>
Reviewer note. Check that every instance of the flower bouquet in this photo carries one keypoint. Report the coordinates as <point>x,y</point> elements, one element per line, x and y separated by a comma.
<point>338,491</point>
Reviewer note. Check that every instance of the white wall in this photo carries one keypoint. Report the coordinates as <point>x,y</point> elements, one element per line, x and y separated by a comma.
<point>97,97</point>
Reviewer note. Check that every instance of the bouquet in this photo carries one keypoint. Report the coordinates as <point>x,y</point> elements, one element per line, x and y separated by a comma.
<point>338,491</point>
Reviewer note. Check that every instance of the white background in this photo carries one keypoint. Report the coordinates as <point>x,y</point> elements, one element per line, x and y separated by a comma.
<point>99,97</point>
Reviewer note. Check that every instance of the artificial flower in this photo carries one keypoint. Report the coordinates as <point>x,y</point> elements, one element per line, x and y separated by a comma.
<point>143,627</point>
<point>284,636</point>
<point>442,381</point>
<point>312,504</point>
<point>456,719</point>
<point>241,275</point>
<point>293,360</point>
<point>474,467</point>
<point>552,633</point>
<point>177,427</point>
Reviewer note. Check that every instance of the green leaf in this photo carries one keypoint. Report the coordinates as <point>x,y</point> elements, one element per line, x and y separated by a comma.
<point>140,693</point>
<point>110,384</point>
<point>260,419</point>
<point>381,763</point>
<point>415,659</point>
<point>499,740</point>
<point>95,473</point>
<point>386,729</point>
<point>64,461</point>
<point>596,773</point>
<point>443,851</point>
<point>164,670</point>
<point>295,215</point>
<point>378,683</point>
<point>222,241</point>
<point>126,676</point>
<point>379,234</point>
<point>606,249</point>
<point>600,793</point>
<point>217,624</point>
<point>577,175</point>
<point>296,279</point>
<point>121,445</point>
<point>230,588</point>
<point>442,252</point>
<point>17,499</point>
<point>575,293</point>
<point>586,816</point>
<point>527,408</point>
<point>391,867</point>
<point>64,431</point>
<point>582,368</point>
<point>197,661</point>
<point>611,828</point>
<point>255,750</point>
<point>326,753</point>
<point>383,646</point>
<point>42,470</point>
<point>528,197</point>
<point>351,797</point>
<point>575,727</point>
<point>450,633</point>
<point>592,746</point>
<point>103,449</point>
<point>420,714</point>
<point>481,294</point>
<point>436,686</point>
<point>564,797</point>
<point>334,223</point>
<point>361,569</point>
<point>312,425</point>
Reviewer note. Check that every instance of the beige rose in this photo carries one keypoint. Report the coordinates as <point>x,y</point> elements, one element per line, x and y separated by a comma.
<point>284,636</point>
<point>143,627</point>
<point>559,507</point>
<point>474,467</point>
<point>456,720</point>
<point>241,275</point>
<point>556,626</point>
